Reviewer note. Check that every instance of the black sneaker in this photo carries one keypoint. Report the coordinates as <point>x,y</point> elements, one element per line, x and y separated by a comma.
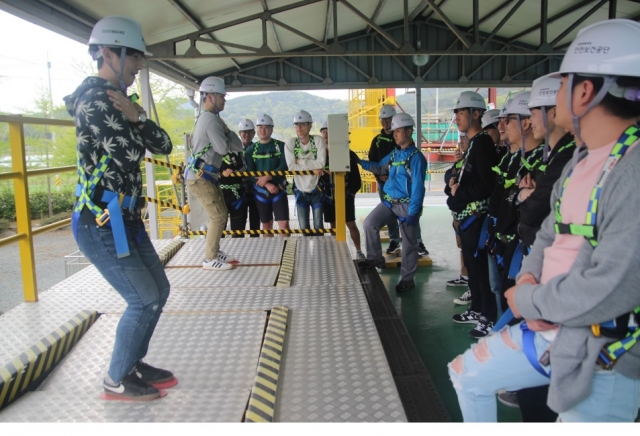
<point>370,264</point>
<point>422,251</point>
<point>466,317</point>
<point>464,299</point>
<point>151,375</point>
<point>460,281</point>
<point>482,329</point>
<point>131,388</point>
<point>405,285</point>
<point>394,247</point>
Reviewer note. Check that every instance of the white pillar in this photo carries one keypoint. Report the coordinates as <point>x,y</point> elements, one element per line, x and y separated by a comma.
<point>152,208</point>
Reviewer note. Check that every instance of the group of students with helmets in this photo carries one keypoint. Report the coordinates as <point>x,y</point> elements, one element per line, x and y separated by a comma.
<point>545,208</point>
<point>548,229</point>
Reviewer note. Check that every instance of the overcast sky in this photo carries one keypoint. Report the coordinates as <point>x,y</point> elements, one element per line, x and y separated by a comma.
<point>23,65</point>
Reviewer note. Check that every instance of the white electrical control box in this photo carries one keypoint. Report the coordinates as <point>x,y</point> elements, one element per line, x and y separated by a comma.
<point>338,142</point>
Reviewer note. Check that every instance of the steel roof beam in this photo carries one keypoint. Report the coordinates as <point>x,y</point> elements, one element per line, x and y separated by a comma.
<point>556,17</point>
<point>198,25</point>
<point>376,12</point>
<point>448,22</point>
<point>578,22</point>
<point>395,58</point>
<point>428,17</point>
<point>495,11</point>
<point>327,22</point>
<point>418,10</point>
<point>371,23</point>
<point>502,23</point>
<point>613,7</point>
<point>265,8</point>
<point>299,33</point>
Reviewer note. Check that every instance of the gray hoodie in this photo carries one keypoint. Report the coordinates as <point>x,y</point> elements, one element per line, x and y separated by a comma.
<point>601,285</point>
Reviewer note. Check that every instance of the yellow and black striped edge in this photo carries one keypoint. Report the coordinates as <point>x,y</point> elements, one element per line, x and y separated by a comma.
<point>17,376</point>
<point>164,163</point>
<point>264,232</point>
<point>285,275</point>
<point>272,173</point>
<point>262,403</point>
<point>164,203</point>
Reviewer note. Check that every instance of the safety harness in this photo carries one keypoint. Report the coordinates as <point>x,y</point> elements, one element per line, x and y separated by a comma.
<point>200,168</point>
<point>266,196</point>
<point>407,164</point>
<point>297,150</point>
<point>112,215</point>
<point>473,210</point>
<point>543,166</point>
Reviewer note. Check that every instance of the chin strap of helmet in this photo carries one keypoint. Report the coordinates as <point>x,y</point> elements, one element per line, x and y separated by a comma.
<point>575,119</point>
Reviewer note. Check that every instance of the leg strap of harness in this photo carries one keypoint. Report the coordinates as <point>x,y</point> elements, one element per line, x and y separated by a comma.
<point>529,348</point>
<point>484,235</point>
<point>505,319</point>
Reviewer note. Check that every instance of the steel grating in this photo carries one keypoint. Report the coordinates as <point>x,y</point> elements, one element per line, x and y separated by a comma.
<point>238,277</point>
<point>323,261</point>
<point>335,370</point>
<point>249,251</point>
<point>179,406</point>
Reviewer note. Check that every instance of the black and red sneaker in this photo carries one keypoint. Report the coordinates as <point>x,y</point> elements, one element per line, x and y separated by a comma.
<point>130,388</point>
<point>153,376</point>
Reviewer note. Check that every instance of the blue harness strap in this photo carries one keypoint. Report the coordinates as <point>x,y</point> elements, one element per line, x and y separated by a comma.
<point>464,225</point>
<point>238,203</point>
<point>484,235</point>
<point>529,348</point>
<point>505,319</point>
<point>266,196</point>
<point>516,261</point>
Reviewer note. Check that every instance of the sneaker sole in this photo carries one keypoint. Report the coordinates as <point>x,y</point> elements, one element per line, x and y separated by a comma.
<point>164,384</point>
<point>218,269</point>
<point>476,335</point>
<point>471,321</point>
<point>461,303</point>
<point>457,285</point>
<point>512,405</point>
<point>111,396</point>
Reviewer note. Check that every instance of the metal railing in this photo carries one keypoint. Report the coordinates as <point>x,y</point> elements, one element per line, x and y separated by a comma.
<point>20,175</point>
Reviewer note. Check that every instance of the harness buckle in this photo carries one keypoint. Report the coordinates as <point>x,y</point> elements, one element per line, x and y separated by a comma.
<point>200,173</point>
<point>604,360</point>
<point>103,218</point>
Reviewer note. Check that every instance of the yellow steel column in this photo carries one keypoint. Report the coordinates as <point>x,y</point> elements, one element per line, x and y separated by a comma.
<point>23,211</point>
<point>341,218</point>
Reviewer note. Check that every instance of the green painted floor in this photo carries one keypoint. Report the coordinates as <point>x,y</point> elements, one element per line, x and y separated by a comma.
<point>426,310</point>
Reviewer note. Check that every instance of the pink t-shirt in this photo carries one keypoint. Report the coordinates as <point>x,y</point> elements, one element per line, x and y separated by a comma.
<point>559,257</point>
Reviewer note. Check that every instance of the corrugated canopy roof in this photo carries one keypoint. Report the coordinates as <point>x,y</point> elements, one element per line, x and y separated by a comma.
<point>285,44</point>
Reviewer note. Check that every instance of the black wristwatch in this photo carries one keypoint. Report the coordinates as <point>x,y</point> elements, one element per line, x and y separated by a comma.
<point>141,120</point>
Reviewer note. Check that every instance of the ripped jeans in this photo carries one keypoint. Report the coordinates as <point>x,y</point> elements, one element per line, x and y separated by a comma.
<point>141,281</point>
<point>498,362</point>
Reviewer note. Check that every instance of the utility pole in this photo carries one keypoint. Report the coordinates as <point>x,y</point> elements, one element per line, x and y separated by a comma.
<point>51,136</point>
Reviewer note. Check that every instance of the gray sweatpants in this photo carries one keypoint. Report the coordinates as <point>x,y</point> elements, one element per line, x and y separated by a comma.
<point>378,218</point>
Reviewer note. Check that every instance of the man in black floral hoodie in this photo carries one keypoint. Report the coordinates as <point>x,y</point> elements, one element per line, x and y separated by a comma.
<point>112,135</point>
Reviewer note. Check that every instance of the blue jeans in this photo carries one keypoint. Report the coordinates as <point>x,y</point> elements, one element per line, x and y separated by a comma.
<point>140,279</point>
<point>494,280</point>
<point>498,362</point>
<point>303,203</point>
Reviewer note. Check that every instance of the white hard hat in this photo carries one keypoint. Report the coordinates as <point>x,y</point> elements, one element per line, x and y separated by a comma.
<point>302,117</point>
<point>212,85</point>
<point>401,120</point>
<point>470,99</point>
<point>543,91</point>
<point>519,105</point>
<point>246,124</point>
<point>387,111</point>
<point>264,120</point>
<point>503,111</point>
<point>606,48</point>
<point>117,31</point>
<point>490,117</point>
<point>325,125</point>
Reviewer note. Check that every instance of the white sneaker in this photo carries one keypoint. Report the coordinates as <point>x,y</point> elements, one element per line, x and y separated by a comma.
<point>360,255</point>
<point>216,265</point>
<point>224,257</point>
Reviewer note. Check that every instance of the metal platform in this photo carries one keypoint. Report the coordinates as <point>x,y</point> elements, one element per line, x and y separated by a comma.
<point>334,367</point>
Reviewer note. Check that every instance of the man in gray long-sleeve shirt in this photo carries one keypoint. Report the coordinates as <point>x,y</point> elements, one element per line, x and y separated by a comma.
<point>579,277</point>
<point>212,140</point>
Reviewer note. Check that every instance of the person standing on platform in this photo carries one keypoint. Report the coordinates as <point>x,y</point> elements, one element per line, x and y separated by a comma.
<point>303,153</point>
<point>247,132</point>
<point>402,200</point>
<point>112,136</point>
<point>211,141</point>
<point>353,185</point>
<point>233,188</point>
<point>267,154</point>
<point>468,199</point>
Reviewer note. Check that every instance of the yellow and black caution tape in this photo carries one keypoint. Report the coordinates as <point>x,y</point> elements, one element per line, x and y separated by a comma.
<point>164,163</point>
<point>271,173</point>
<point>33,365</point>
<point>262,402</point>
<point>185,209</point>
<point>436,171</point>
<point>263,232</point>
<point>285,275</point>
